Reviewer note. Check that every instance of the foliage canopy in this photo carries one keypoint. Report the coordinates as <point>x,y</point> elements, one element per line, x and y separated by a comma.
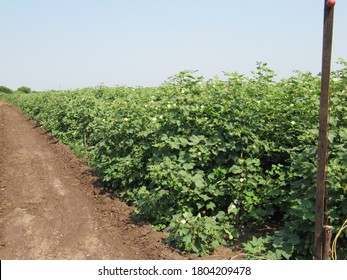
<point>206,159</point>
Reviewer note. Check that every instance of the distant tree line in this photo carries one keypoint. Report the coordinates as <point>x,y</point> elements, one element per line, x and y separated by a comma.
<point>22,89</point>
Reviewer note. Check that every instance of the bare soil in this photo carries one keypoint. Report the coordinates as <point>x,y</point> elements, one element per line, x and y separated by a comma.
<point>52,206</point>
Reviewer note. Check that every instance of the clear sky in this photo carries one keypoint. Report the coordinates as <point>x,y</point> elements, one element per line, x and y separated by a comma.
<point>62,44</point>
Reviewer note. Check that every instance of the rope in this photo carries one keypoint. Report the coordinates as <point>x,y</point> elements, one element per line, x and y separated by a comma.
<point>333,248</point>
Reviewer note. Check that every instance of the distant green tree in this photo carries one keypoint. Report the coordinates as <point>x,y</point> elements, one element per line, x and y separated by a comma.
<point>4,89</point>
<point>24,89</point>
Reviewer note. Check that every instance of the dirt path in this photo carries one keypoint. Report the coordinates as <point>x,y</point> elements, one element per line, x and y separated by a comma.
<point>50,207</point>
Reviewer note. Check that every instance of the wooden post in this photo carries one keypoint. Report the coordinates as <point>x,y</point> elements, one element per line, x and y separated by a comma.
<point>328,232</point>
<point>322,180</point>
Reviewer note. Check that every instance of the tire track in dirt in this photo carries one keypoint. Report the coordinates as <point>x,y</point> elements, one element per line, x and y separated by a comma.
<point>50,208</point>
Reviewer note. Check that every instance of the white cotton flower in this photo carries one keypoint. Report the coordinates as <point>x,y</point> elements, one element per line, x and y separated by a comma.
<point>183,222</point>
<point>126,119</point>
<point>293,122</point>
<point>336,80</point>
<point>242,179</point>
<point>231,208</point>
<point>154,119</point>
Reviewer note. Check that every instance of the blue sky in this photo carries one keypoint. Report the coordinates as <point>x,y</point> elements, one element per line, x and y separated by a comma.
<point>62,44</point>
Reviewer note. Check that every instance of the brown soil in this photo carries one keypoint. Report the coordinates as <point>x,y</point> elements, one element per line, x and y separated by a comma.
<point>52,207</point>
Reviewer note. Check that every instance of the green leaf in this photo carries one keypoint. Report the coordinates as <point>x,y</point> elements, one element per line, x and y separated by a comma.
<point>333,121</point>
<point>184,142</point>
<point>198,180</point>
<point>205,197</point>
<point>188,166</point>
<point>194,140</point>
<point>210,206</point>
<point>285,255</point>
<point>294,239</point>
<point>235,169</point>
<point>331,136</point>
<point>187,238</point>
<point>343,133</point>
<point>215,243</point>
<point>199,205</point>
